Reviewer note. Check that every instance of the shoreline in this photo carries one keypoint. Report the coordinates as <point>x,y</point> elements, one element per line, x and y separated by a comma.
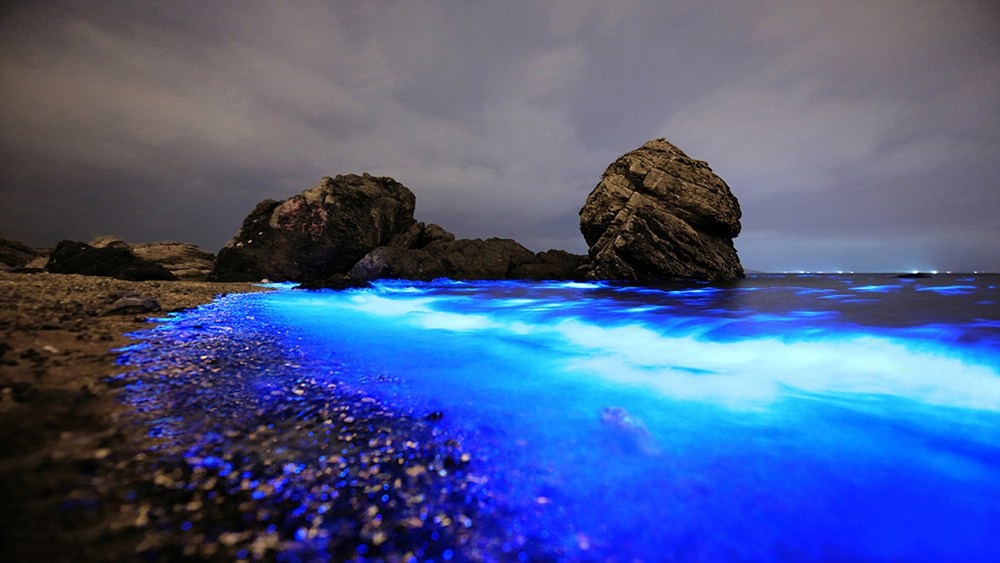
<point>87,475</point>
<point>58,407</point>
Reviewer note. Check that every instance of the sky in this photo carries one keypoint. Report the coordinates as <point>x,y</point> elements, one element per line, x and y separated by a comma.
<point>858,135</point>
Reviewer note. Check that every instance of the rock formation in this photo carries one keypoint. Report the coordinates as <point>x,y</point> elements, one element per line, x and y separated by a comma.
<point>658,214</point>
<point>476,259</point>
<point>186,261</point>
<point>16,254</point>
<point>70,257</point>
<point>108,241</point>
<point>323,231</point>
<point>364,227</point>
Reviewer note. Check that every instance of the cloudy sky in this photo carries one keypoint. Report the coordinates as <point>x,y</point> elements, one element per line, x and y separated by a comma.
<point>857,134</point>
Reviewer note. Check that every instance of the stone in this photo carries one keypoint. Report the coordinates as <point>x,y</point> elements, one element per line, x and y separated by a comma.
<point>550,265</point>
<point>131,303</point>
<point>631,428</point>
<point>477,259</point>
<point>323,231</point>
<point>420,235</point>
<point>71,257</point>
<point>107,241</point>
<point>16,254</point>
<point>387,263</point>
<point>186,261</point>
<point>658,214</point>
<point>465,259</point>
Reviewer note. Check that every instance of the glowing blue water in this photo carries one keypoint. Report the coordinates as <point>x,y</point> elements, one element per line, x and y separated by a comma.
<point>777,418</point>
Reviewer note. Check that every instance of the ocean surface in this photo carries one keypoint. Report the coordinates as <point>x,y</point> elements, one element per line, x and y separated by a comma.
<point>775,418</point>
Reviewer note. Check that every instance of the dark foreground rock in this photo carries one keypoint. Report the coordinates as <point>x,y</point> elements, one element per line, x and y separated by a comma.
<point>466,259</point>
<point>323,231</point>
<point>70,257</point>
<point>658,214</point>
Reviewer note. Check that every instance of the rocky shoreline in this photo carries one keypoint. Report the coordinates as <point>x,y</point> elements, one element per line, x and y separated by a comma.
<point>58,407</point>
<point>80,478</point>
<point>216,442</point>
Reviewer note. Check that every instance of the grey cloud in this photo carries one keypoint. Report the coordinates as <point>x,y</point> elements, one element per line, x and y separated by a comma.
<point>853,124</point>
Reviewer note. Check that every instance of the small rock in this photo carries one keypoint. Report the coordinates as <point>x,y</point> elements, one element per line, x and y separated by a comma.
<point>131,303</point>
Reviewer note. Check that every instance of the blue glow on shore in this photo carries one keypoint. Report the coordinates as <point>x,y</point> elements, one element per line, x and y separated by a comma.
<point>781,418</point>
<point>758,413</point>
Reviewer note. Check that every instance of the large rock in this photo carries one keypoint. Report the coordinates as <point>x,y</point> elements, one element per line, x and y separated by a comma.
<point>16,254</point>
<point>70,257</point>
<point>658,214</point>
<point>465,259</point>
<point>323,231</point>
<point>184,260</point>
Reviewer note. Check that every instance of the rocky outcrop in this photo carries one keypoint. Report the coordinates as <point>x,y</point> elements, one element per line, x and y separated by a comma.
<point>323,231</point>
<point>658,214</point>
<point>466,259</point>
<point>108,241</point>
<point>185,261</point>
<point>16,254</point>
<point>70,257</point>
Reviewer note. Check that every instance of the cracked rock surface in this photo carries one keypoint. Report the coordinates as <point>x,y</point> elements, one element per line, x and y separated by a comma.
<point>658,214</point>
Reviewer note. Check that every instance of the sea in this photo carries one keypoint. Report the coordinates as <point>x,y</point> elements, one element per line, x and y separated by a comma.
<point>780,417</point>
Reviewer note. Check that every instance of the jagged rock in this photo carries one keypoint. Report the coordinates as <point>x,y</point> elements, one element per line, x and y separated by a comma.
<point>16,254</point>
<point>387,263</point>
<point>658,214</point>
<point>186,261</point>
<point>107,241</point>
<point>70,257</point>
<point>476,259</point>
<point>466,259</point>
<point>420,235</point>
<point>323,231</point>
<point>550,265</point>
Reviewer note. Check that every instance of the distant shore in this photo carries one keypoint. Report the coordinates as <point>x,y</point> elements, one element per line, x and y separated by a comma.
<point>57,407</point>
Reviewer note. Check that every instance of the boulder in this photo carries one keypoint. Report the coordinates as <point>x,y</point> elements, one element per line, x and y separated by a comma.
<point>389,263</point>
<point>419,235</point>
<point>185,261</point>
<point>16,254</point>
<point>550,265</point>
<point>323,231</point>
<point>658,214</point>
<point>70,257</point>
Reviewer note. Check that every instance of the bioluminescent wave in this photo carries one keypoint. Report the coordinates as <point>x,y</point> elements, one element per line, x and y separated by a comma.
<point>779,418</point>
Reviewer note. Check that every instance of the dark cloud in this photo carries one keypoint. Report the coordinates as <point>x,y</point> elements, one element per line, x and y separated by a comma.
<point>857,135</point>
